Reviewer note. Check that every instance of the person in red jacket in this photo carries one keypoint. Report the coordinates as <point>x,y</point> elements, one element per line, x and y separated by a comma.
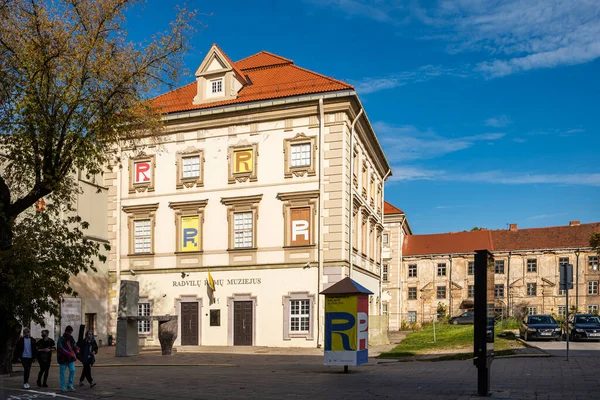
<point>26,352</point>
<point>66,355</point>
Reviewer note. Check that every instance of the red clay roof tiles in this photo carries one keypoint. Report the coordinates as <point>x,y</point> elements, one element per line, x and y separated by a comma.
<point>271,77</point>
<point>390,209</point>
<point>555,237</point>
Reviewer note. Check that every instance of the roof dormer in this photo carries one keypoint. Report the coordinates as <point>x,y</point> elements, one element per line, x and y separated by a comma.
<point>218,78</point>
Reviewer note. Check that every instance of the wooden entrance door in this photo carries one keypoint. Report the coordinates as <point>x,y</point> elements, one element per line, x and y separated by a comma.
<point>242,323</point>
<point>189,324</point>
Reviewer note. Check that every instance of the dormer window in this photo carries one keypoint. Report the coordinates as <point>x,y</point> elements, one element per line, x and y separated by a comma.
<point>217,86</point>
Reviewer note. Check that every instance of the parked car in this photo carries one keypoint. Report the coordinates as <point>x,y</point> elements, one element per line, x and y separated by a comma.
<point>468,317</point>
<point>584,327</point>
<point>540,327</point>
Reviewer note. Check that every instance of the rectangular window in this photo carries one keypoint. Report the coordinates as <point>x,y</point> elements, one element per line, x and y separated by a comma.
<point>384,308</point>
<point>471,291</point>
<point>562,292</point>
<point>531,310</point>
<point>593,263</point>
<point>441,270</point>
<point>441,292</point>
<point>142,236</point>
<point>384,273</point>
<point>412,270</point>
<point>531,289</point>
<point>412,293</point>
<point>300,224</point>
<point>216,86</point>
<point>144,325</point>
<point>531,265</point>
<point>242,230</point>
<point>593,287</point>
<point>300,155</point>
<point>471,268</point>
<point>191,167</point>
<point>90,322</point>
<point>563,261</point>
<point>499,266</point>
<point>299,316</point>
<point>386,238</point>
<point>499,290</point>
<point>215,317</point>
<point>592,309</point>
<point>562,311</point>
<point>412,317</point>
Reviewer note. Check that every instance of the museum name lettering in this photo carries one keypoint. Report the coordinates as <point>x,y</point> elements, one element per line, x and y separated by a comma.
<point>219,282</point>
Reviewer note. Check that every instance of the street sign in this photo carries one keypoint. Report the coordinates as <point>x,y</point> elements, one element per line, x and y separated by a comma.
<point>566,276</point>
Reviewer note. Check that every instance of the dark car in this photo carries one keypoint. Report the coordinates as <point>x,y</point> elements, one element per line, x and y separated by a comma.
<point>584,327</point>
<point>465,318</point>
<point>540,327</point>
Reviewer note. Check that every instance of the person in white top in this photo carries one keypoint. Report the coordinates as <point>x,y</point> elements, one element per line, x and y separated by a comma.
<point>26,351</point>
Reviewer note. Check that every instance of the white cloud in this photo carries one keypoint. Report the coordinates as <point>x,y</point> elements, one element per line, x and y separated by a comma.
<point>421,74</point>
<point>499,121</point>
<point>494,176</point>
<point>407,142</point>
<point>545,216</point>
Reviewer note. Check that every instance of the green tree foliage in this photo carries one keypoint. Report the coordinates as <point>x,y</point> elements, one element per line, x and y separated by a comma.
<point>72,89</point>
<point>595,242</point>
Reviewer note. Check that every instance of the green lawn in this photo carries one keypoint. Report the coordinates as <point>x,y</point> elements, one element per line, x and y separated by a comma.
<point>452,342</point>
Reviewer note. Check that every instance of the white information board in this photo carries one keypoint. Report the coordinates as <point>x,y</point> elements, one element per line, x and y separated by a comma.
<point>70,313</point>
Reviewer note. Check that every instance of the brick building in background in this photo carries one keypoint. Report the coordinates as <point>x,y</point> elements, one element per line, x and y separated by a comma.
<point>437,269</point>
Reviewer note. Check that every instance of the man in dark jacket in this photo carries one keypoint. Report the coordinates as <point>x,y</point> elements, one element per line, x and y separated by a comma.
<point>87,351</point>
<point>66,349</point>
<point>26,352</point>
<point>44,357</point>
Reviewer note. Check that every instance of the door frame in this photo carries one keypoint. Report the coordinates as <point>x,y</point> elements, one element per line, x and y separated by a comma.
<point>231,311</point>
<point>191,298</point>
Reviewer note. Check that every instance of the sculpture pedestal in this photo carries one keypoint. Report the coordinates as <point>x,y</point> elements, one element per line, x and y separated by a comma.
<point>167,333</point>
<point>127,338</point>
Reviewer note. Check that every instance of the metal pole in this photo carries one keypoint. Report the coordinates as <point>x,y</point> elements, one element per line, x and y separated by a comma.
<point>567,316</point>
<point>434,338</point>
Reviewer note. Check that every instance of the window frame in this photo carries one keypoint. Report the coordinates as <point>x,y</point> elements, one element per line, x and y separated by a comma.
<point>529,308</point>
<point>412,268</point>
<point>592,288</point>
<point>136,213</point>
<point>497,264</point>
<point>410,293</point>
<point>592,309</point>
<point>437,292</point>
<point>499,287</point>
<point>136,236</point>
<point>146,300</point>
<point>532,265</point>
<point>591,265</point>
<point>531,293</point>
<point>188,209</point>
<point>470,267</point>
<point>470,291</point>
<point>297,200</point>
<point>288,334</point>
<point>238,205</point>
<point>411,317</point>
<point>141,186</point>
<point>561,311</point>
<point>442,267</point>
<point>182,182</point>
<point>220,85</point>
<point>386,239</point>
<point>241,177</point>
<point>385,272</point>
<point>299,171</point>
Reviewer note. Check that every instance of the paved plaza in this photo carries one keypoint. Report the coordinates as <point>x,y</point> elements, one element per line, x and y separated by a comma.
<point>300,374</point>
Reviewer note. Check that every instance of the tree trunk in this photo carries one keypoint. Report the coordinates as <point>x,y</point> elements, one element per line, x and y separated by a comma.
<point>9,335</point>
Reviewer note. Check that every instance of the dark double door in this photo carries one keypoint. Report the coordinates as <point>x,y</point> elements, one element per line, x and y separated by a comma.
<point>189,324</point>
<point>242,323</point>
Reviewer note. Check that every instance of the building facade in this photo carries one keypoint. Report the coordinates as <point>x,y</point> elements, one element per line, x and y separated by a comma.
<point>261,172</point>
<point>437,271</point>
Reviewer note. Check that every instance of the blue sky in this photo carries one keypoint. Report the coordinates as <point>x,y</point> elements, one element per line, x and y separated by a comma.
<point>488,110</point>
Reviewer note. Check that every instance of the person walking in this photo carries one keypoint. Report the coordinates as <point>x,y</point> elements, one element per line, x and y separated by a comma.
<point>66,354</point>
<point>26,352</point>
<point>87,351</point>
<point>44,357</point>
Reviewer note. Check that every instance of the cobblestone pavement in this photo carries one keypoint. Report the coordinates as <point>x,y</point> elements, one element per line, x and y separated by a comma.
<point>234,375</point>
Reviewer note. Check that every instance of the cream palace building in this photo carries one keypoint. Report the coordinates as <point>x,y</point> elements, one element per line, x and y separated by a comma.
<point>261,171</point>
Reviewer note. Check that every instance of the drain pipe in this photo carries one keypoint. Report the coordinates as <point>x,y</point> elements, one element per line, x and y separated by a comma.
<point>118,240</point>
<point>450,285</point>
<point>508,286</point>
<point>319,225</point>
<point>350,192</point>
<point>381,243</point>
<point>577,281</point>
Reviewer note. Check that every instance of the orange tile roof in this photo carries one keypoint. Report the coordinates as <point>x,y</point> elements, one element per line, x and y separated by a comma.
<point>390,209</point>
<point>233,65</point>
<point>270,77</point>
<point>446,243</point>
<point>555,237</point>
